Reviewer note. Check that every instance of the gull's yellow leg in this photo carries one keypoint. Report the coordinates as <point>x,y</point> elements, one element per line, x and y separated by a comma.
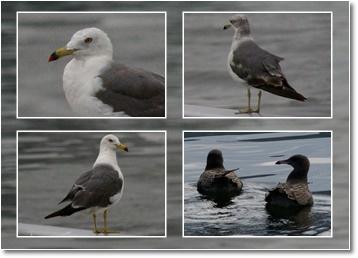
<point>248,99</point>
<point>106,230</point>
<point>95,230</point>
<point>257,110</point>
<point>248,109</point>
<point>105,227</point>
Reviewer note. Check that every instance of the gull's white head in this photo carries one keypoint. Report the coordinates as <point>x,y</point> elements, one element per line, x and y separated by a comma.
<point>240,23</point>
<point>86,42</point>
<point>111,142</point>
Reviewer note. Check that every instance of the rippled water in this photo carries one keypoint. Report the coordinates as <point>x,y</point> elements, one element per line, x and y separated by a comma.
<point>49,163</point>
<point>304,40</point>
<point>256,155</point>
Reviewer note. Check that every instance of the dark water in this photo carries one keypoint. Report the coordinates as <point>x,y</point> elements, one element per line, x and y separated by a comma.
<point>256,155</point>
<point>304,40</point>
<point>49,163</point>
<point>174,125</point>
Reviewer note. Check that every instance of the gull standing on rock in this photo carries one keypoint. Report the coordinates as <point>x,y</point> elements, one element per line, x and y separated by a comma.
<point>259,68</point>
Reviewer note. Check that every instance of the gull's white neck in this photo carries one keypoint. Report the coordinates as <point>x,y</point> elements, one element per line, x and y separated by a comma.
<point>236,41</point>
<point>239,38</point>
<point>108,156</point>
<point>85,68</point>
<point>81,83</point>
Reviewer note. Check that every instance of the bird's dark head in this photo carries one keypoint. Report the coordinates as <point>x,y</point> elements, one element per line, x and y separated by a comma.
<point>301,165</point>
<point>214,160</point>
<point>239,23</point>
<point>296,161</point>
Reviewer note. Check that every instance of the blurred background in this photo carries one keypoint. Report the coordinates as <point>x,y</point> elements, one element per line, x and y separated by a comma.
<point>138,40</point>
<point>302,39</point>
<point>49,164</point>
<point>174,125</point>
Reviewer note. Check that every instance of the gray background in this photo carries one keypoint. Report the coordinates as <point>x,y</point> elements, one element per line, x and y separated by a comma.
<point>49,164</point>
<point>174,124</point>
<point>303,39</point>
<point>138,40</point>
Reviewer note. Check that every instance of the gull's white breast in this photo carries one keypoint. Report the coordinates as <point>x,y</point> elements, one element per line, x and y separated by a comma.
<point>230,60</point>
<point>81,83</point>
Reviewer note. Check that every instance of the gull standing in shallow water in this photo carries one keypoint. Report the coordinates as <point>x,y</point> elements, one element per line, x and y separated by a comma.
<point>295,192</point>
<point>96,86</point>
<point>259,68</point>
<point>99,188</point>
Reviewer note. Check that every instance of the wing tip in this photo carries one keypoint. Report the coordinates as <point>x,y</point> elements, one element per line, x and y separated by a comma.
<point>302,98</point>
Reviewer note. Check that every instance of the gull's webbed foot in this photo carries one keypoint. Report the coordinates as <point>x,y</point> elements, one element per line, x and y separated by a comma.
<point>247,111</point>
<point>105,231</point>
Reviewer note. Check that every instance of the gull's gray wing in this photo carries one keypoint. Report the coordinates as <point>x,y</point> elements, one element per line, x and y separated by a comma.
<point>95,187</point>
<point>251,61</point>
<point>134,91</point>
<point>261,70</point>
<point>77,186</point>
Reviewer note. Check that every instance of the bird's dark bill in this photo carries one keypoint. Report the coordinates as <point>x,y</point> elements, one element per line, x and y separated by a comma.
<point>226,26</point>
<point>53,57</point>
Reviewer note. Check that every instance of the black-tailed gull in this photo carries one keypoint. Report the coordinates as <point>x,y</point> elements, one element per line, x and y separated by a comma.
<point>295,192</point>
<point>259,68</point>
<point>94,85</point>
<point>216,181</point>
<point>99,188</point>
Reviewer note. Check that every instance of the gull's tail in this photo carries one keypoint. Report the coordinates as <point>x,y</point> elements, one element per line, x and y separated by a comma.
<point>291,93</point>
<point>286,91</point>
<point>67,211</point>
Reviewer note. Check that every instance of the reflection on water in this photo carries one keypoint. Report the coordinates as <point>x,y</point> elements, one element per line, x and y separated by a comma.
<point>219,201</point>
<point>296,223</point>
<point>246,214</point>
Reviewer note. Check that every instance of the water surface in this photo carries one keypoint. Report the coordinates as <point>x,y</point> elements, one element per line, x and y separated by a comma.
<point>256,155</point>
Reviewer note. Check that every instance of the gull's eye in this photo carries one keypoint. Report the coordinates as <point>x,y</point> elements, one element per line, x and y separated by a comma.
<point>88,40</point>
<point>110,140</point>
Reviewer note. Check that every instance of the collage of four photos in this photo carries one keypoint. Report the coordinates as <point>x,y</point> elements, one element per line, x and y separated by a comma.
<point>175,125</point>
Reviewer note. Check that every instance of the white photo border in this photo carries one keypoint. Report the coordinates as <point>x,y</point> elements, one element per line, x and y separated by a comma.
<point>249,117</point>
<point>255,131</point>
<point>92,131</point>
<point>91,12</point>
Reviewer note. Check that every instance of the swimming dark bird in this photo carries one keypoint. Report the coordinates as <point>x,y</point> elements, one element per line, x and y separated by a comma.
<point>99,188</point>
<point>295,192</point>
<point>216,181</point>
<point>95,85</point>
<point>256,66</point>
